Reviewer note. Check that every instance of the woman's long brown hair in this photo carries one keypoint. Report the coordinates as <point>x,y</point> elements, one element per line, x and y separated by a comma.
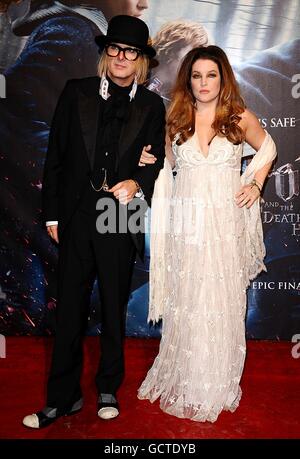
<point>181,113</point>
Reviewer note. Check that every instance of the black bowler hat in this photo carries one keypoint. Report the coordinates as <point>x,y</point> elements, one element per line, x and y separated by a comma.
<point>128,30</point>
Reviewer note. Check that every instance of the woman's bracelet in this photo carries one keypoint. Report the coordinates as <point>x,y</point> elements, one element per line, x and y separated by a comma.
<point>257,183</point>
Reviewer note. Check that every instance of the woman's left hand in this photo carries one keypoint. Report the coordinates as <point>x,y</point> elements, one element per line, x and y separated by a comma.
<point>146,157</point>
<point>247,195</point>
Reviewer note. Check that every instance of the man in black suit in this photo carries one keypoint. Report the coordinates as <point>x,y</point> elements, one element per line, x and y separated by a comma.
<point>98,131</point>
<point>60,45</point>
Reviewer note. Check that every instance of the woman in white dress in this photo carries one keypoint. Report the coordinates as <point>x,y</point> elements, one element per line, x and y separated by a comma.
<point>206,240</point>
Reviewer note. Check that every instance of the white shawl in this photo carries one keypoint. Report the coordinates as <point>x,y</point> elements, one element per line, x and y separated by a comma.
<point>160,229</point>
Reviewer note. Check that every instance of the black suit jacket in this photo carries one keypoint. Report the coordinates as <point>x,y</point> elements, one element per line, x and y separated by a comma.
<point>72,143</point>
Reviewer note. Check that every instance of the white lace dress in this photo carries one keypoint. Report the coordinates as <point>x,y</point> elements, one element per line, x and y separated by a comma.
<point>197,372</point>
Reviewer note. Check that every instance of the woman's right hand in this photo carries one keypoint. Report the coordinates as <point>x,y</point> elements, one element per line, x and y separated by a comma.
<point>146,157</point>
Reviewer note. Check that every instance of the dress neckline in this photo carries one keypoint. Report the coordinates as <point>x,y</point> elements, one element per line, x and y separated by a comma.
<point>197,143</point>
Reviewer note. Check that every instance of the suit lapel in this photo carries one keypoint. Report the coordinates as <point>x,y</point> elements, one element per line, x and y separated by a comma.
<point>131,127</point>
<point>89,114</point>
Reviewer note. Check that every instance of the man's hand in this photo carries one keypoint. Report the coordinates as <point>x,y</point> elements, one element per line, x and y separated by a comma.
<point>124,191</point>
<point>146,157</point>
<point>52,231</point>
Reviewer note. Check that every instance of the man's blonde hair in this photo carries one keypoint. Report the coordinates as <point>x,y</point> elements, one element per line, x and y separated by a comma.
<point>142,67</point>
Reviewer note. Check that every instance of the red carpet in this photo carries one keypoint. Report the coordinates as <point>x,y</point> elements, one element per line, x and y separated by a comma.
<point>269,408</point>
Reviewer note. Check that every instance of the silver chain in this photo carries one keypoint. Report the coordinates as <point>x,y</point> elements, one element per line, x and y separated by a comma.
<point>104,185</point>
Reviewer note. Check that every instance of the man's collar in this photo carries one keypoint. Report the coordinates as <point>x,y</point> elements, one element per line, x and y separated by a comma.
<point>106,82</point>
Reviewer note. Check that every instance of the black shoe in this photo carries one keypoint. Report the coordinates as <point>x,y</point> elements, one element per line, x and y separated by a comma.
<point>49,415</point>
<point>108,407</point>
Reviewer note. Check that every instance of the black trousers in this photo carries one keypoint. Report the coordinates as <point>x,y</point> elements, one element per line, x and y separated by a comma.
<point>83,255</point>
